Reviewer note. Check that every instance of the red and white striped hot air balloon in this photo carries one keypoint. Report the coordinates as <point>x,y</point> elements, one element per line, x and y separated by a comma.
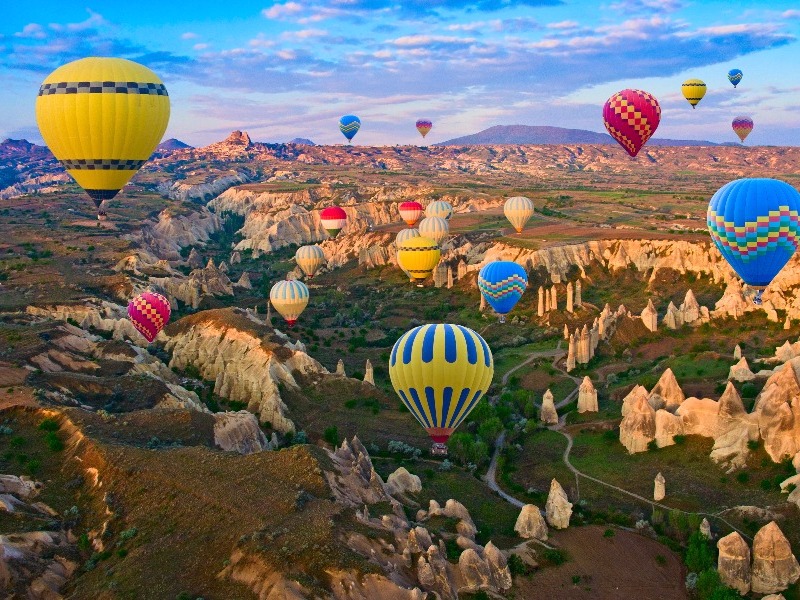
<point>333,220</point>
<point>410,212</point>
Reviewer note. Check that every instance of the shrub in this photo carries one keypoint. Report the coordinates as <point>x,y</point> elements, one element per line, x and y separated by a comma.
<point>331,435</point>
<point>661,560</point>
<point>753,445</point>
<point>608,533</point>
<point>699,555</point>
<point>555,556</point>
<point>679,439</point>
<point>743,477</point>
<point>517,566</point>
<point>652,446</point>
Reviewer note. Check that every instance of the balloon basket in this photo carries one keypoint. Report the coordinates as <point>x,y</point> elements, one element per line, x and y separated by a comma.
<point>502,318</point>
<point>438,449</point>
<point>757,298</point>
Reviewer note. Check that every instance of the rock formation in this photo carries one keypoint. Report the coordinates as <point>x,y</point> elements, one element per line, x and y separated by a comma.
<point>578,299</point>
<point>340,368</point>
<point>638,426</point>
<point>587,396</point>
<point>668,426</point>
<point>733,563</point>
<point>650,316</point>
<point>244,282</point>
<point>705,528</point>
<point>238,432</point>
<point>540,309</point>
<point>450,281</point>
<point>659,488</point>
<point>734,429</point>
<point>402,482</point>
<point>558,508</point>
<point>570,300</point>
<point>774,566</point>
<point>440,275</point>
<point>368,373</point>
<point>741,371</point>
<point>666,394</point>
<point>699,416</point>
<point>737,352</point>
<point>571,353</point>
<point>531,524</point>
<point>548,414</point>
<point>672,318</point>
<point>566,332</point>
<point>553,298</point>
<point>194,260</point>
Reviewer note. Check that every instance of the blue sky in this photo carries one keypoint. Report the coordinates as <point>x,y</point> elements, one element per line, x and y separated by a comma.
<point>289,69</point>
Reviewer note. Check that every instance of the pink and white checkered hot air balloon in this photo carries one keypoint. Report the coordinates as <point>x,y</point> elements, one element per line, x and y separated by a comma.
<point>149,312</point>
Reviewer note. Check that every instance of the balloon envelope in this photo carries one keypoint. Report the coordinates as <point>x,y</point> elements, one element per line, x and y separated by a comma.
<point>149,312</point>
<point>502,283</point>
<point>440,208</point>
<point>440,373</point>
<point>631,117</point>
<point>406,234</point>
<point>310,259</point>
<point>418,257</point>
<point>754,223</point>
<point>410,212</point>
<point>333,220</point>
<point>735,76</point>
<point>742,126</point>
<point>290,298</point>
<point>435,228</point>
<point>693,90</point>
<point>349,126</point>
<point>518,211</point>
<point>102,118</point>
<point>424,126</point>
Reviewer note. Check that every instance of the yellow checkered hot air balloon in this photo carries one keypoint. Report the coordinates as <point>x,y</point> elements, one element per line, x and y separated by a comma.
<point>418,257</point>
<point>102,118</point>
<point>310,259</point>
<point>518,211</point>
<point>289,298</point>
<point>693,90</point>
<point>440,373</point>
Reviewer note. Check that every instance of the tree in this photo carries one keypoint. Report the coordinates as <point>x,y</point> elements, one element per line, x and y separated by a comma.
<point>699,556</point>
<point>490,429</point>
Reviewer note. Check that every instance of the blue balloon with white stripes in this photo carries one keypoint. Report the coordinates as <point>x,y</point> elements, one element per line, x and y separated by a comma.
<point>440,372</point>
<point>349,126</point>
<point>502,283</point>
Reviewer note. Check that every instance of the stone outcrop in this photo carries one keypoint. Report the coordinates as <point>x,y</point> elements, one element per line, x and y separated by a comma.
<point>668,426</point>
<point>638,426</point>
<point>239,432</point>
<point>741,371</point>
<point>191,290</point>
<point>733,563</point>
<point>650,316</point>
<point>244,282</point>
<point>355,481</point>
<point>340,369</point>
<point>587,396</point>
<point>699,416</point>
<point>402,482</point>
<point>666,394</point>
<point>558,508</point>
<point>37,563</point>
<point>548,414</point>
<point>659,488</point>
<point>531,524</point>
<point>705,528</point>
<point>737,352</point>
<point>774,566</point>
<point>734,429</point>
<point>778,413</point>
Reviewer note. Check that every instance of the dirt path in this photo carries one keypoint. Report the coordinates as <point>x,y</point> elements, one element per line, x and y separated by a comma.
<point>557,354</point>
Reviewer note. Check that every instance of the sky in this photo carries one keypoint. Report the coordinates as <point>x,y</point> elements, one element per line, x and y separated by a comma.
<point>287,69</point>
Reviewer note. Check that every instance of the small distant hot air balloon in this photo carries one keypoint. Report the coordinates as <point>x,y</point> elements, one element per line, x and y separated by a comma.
<point>405,234</point>
<point>102,118</point>
<point>333,220</point>
<point>349,126</point>
<point>518,211</point>
<point>693,90</point>
<point>631,117</point>
<point>290,298</point>
<point>149,312</point>
<point>434,228</point>
<point>424,126</point>
<point>440,208</point>
<point>734,76</point>
<point>440,373</point>
<point>754,223</point>
<point>410,212</point>
<point>418,257</point>
<point>502,283</point>
<point>742,126</point>
<point>310,259</point>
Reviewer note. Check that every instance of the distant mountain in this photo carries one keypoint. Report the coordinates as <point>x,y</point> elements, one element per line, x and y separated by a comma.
<point>535,134</point>
<point>302,142</point>
<point>172,144</point>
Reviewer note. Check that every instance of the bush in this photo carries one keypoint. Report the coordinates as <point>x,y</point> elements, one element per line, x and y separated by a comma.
<point>331,435</point>
<point>679,439</point>
<point>53,442</point>
<point>652,446</point>
<point>555,556</point>
<point>608,533</point>
<point>699,555</point>
<point>743,477</point>
<point>517,566</point>
<point>49,425</point>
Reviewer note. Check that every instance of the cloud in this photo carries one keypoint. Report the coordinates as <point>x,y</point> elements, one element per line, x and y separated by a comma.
<point>649,6</point>
<point>200,46</point>
<point>189,35</point>
<point>32,30</point>
<point>304,34</point>
<point>282,11</point>
<point>790,14</point>
<point>428,40</point>
<point>563,25</point>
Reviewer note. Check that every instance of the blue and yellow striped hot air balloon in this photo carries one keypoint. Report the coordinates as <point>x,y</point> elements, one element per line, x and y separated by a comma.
<point>290,298</point>
<point>440,373</point>
<point>440,208</point>
<point>502,283</point>
<point>755,225</point>
<point>349,126</point>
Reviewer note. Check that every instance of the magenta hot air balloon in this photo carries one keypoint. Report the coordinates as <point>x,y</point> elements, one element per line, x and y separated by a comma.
<point>631,117</point>
<point>742,126</point>
<point>149,312</point>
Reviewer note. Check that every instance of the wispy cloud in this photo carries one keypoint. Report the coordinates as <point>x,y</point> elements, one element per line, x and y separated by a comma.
<point>282,11</point>
<point>648,6</point>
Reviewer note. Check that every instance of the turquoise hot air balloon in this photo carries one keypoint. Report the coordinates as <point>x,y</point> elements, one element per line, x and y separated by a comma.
<point>735,76</point>
<point>440,373</point>
<point>502,283</point>
<point>349,126</point>
<point>754,223</point>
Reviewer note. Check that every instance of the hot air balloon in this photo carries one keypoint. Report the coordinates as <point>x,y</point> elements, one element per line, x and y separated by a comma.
<point>290,298</point>
<point>518,211</point>
<point>102,118</point>
<point>631,117</point>
<point>405,234</point>
<point>310,259</point>
<point>502,283</point>
<point>742,126</point>
<point>734,76</point>
<point>410,212</point>
<point>440,208</point>
<point>149,312</point>
<point>333,220</point>
<point>693,90</point>
<point>349,126</point>
<point>434,228</point>
<point>754,223</point>
<point>440,373</point>
<point>418,257</point>
<point>424,126</point>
